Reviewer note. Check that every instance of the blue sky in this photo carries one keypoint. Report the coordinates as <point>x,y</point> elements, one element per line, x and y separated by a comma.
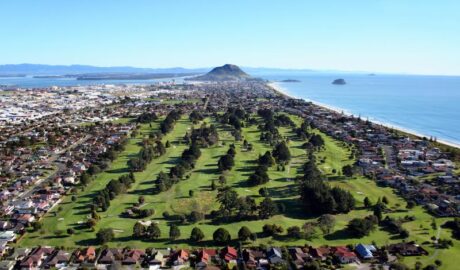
<point>407,36</point>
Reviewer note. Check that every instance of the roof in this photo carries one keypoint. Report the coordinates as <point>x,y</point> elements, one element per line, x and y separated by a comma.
<point>365,251</point>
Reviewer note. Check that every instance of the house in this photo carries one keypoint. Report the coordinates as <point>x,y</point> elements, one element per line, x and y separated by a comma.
<point>58,258</point>
<point>365,251</point>
<point>157,261</point>
<point>132,257</point>
<point>320,253</point>
<point>344,255</point>
<point>179,257</point>
<point>299,257</point>
<point>18,254</point>
<point>254,258</point>
<point>25,218</point>
<point>407,249</point>
<point>7,265</point>
<point>109,256</point>
<point>87,255</point>
<point>205,256</point>
<point>7,236</point>
<point>36,258</point>
<point>274,256</point>
<point>229,254</point>
<point>5,225</point>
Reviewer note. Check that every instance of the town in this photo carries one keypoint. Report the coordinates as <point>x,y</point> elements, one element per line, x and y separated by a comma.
<point>56,142</point>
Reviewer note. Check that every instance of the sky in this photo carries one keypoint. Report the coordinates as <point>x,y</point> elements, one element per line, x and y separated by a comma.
<point>394,36</point>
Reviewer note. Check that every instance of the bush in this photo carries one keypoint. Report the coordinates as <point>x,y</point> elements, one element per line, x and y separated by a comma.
<point>272,229</point>
<point>221,236</point>
<point>244,233</point>
<point>196,235</point>
<point>105,235</point>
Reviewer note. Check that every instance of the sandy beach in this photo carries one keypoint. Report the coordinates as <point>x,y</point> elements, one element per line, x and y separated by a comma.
<point>277,88</point>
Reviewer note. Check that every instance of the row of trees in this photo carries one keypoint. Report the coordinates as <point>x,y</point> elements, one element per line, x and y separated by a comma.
<point>147,117</point>
<point>204,136</point>
<point>318,197</point>
<point>168,123</point>
<point>227,161</point>
<point>111,190</point>
<point>234,117</point>
<point>146,155</point>
<point>188,159</point>
<point>259,177</point>
<point>196,117</point>
<point>245,207</point>
<point>270,133</point>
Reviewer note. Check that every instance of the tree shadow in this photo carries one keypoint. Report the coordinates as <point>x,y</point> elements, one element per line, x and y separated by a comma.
<point>343,234</point>
<point>118,171</point>
<point>208,171</point>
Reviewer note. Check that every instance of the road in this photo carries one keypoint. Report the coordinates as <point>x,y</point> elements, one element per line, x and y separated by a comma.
<point>60,168</point>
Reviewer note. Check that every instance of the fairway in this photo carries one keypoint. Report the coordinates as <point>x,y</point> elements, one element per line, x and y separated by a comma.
<point>282,188</point>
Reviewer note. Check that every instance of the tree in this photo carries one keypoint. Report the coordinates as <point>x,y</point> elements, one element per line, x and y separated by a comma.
<point>263,191</point>
<point>221,236</point>
<point>138,230</point>
<point>378,210</point>
<point>196,235</point>
<point>141,199</point>
<point>266,160</point>
<point>222,180</point>
<point>385,200</point>
<point>195,216</point>
<point>326,223</point>
<point>37,225</point>
<point>347,170</point>
<point>367,203</point>
<point>191,193</point>
<point>91,223</point>
<point>361,227</point>
<point>154,231</point>
<point>313,265</point>
<point>294,232</point>
<point>410,204</point>
<point>260,176</point>
<point>228,200</point>
<point>267,208</point>
<point>272,229</point>
<point>281,153</point>
<point>244,233</point>
<point>174,232</point>
<point>309,230</point>
<point>226,162</point>
<point>105,235</point>
<point>70,231</point>
<point>213,185</point>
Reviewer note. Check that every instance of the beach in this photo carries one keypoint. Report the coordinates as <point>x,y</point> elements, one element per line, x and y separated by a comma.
<point>284,92</point>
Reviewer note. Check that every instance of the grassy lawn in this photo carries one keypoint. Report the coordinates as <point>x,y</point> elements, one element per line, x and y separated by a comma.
<point>281,188</point>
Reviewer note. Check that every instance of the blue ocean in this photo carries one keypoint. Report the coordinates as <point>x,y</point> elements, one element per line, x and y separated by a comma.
<point>427,105</point>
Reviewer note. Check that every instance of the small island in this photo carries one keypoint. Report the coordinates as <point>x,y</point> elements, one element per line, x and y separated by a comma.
<point>339,82</point>
<point>290,81</point>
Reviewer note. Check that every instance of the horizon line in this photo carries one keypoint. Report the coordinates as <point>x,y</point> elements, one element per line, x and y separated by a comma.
<point>329,70</point>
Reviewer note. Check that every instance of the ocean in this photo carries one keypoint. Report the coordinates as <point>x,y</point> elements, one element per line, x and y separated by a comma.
<point>31,82</point>
<point>425,105</point>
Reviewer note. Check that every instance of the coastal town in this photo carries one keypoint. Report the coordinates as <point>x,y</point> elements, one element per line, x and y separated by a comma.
<point>54,139</point>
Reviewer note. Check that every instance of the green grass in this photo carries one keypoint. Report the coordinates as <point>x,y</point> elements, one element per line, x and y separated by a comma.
<point>281,188</point>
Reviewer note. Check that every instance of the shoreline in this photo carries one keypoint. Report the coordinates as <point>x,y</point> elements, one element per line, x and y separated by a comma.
<point>280,90</point>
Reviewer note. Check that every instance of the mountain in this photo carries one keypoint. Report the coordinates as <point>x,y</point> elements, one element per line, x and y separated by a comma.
<point>36,69</point>
<point>226,72</point>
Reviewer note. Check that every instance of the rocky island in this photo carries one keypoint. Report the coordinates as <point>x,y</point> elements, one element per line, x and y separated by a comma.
<point>339,82</point>
<point>290,81</point>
